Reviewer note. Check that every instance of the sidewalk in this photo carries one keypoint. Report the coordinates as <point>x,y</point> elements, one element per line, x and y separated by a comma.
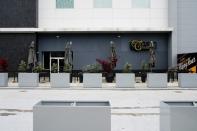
<point>132,110</point>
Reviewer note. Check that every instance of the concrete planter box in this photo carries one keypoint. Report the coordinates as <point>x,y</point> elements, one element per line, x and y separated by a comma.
<point>28,79</point>
<point>157,80</point>
<point>3,79</point>
<point>72,116</point>
<point>187,80</point>
<point>59,80</point>
<point>178,116</point>
<point>92,80</point>
<point>125,80</point>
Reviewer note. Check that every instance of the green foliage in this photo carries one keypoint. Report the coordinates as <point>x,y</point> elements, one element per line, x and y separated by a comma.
<point>92,68</point>
<point>54,68</point>
<point>22,66</point>
<point>144,66</point>
<point>127,68</point>
<point>67,68</point>
<point>38,68</point>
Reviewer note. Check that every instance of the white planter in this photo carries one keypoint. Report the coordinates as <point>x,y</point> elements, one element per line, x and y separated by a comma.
<point>60,80</point>
<point>72,116</point>
<point>92,80</point>
<point>187,80</point>
<point>157,80</point>
<point>3,79</point>
<point>28,79</point>
<point>178,116</point>
<point>125,80</point>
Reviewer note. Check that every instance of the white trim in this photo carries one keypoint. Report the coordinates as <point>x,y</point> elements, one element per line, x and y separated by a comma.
<point>83,30</point>
<point>58,61</point>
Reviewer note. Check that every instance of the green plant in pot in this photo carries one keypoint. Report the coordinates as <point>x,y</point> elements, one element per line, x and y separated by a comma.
<point>67,68</point>
<point>127,68</point>
<point>92,68</point>
<point>54,68</point>
<point>38,68</point>
<point>145,68</point>
<point>22,67</point>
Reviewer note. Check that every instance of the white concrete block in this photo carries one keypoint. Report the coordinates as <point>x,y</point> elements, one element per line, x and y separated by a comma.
<point>157,80</point>
<point>60,80</point>
<point>178,116</point>
<point>72,116</point>
<point>28,79</point>
<point>92,80</point>
<point>187,80</point>
<point>125,80</point>
<point>3,79</point>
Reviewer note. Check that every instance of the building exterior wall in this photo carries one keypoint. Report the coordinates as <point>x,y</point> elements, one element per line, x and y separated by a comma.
<point>187,26</point>
<point>87,47</point>
<point>172,22</point>
<point>84,15</point>
<point>178,14</point>
<point>182,17</point>
<point>18,13</point>
<point>14,47</point>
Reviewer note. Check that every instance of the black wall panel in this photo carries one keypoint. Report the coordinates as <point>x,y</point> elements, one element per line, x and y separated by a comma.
<point>18,13</point>
<point>14,47</point>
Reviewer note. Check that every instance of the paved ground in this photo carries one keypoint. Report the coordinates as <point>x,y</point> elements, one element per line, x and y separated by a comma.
<point>132,110</point>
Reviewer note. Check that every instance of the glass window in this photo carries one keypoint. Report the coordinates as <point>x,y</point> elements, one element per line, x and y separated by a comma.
<point>102,3</point>
<point>141,3</point>
<point>64,4</point>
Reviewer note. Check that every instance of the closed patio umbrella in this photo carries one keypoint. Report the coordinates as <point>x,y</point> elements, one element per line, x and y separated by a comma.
<point>68,58</point>
<point>32,56</point>
<point>152,59</point>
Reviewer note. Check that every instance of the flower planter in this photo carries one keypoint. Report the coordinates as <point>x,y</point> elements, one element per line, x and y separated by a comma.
<point>92,80</point>
<point>125,80</point>
<point>143,77</point>
<point>187,80</point>
<point>178,116</point>
<point>109,77</point>
<point>157,80</point>
<point>59,80</point>
<point>3,79</point>
<point>81,78</point>
<point>28,79</point>
<point>72,116</point>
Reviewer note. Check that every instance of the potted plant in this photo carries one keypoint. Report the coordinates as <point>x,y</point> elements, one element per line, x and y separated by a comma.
<point>109,65</point>
<point>60,80</point>
<point>108,70</point>
<point>91,76</point>
<point>28,79</point>
<point>125,79</point>
<point>143,73</point>
<point>68,69</point>
<point>3,73</point>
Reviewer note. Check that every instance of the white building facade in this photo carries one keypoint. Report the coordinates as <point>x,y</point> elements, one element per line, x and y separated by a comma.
<point>92,24</point>
<point>104,14</point>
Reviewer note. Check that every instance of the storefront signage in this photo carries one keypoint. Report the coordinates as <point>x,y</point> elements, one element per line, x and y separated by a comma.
<point>140,45</point>
<point>187,62</point>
